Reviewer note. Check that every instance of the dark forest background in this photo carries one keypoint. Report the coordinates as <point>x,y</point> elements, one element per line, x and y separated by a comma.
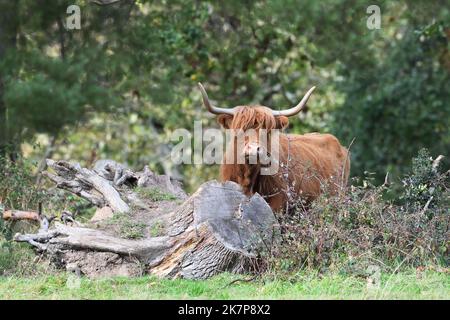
<point>121,84</point>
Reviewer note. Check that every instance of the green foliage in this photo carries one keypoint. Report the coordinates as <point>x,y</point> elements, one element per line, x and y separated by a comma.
<point>399,104</point>
<point>18,189</point>
<point>119,86</point>
<point>51,78</point>
<point>52,94</point>
<point>425,189</point>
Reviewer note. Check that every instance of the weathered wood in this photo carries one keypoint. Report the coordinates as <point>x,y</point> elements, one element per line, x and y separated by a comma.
<point>20,215</point>
<point>216,229</point>
<point>86,184</point>
<point>17,215</point>
<point>96,240</point>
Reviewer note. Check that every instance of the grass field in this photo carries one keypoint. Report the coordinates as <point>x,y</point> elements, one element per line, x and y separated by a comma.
<point>404,285</point>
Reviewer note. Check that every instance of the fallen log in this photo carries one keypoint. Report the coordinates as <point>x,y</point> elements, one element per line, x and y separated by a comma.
<point>216,229</point>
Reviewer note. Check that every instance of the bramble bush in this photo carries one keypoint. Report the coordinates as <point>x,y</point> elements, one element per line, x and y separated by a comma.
<point>362,227</point>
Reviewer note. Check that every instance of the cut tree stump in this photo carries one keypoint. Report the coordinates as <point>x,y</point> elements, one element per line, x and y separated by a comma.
<point>214,230</point>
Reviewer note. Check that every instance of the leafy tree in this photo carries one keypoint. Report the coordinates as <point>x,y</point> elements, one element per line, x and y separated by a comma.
<point>52,77</point>
<point>120,85</point>
<point>399,104</point>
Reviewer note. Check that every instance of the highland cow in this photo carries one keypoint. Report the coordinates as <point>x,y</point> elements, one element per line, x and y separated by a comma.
<point>309,163</point>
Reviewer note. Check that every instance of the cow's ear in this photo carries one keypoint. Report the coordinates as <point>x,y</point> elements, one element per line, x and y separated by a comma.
<point>282,122</point>
<point>225,120</point>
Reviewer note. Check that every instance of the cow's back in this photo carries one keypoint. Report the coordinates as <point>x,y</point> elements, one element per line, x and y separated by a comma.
<point>319,158</point>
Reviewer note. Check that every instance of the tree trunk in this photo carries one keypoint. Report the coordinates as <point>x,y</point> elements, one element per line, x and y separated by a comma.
<point>216,229</point>
<point>8,34</point>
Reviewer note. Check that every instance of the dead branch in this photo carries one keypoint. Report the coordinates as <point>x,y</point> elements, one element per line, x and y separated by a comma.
<point>14,215</point>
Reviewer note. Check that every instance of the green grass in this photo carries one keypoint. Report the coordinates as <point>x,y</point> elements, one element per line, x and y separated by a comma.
<point>154,194</point>
<point>156,229</point>
<point>405,285</point>
<point>128,228</point>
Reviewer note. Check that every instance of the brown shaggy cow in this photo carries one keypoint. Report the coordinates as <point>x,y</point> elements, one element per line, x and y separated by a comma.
<point>317,161</point>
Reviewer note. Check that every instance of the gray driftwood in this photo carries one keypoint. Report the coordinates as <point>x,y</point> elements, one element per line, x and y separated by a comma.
<point>216,229</point>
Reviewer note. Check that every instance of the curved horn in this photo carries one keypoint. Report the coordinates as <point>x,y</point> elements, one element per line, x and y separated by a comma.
<point>210,107</point>
<point>293,111</point>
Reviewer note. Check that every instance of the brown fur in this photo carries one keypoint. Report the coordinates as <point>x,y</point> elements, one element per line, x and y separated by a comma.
<point>317,160</point>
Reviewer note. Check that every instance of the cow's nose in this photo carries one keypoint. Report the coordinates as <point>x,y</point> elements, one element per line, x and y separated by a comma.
<point>251,149</point>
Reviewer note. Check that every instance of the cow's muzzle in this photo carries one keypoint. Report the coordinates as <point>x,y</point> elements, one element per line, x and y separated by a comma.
<point>254,154</point>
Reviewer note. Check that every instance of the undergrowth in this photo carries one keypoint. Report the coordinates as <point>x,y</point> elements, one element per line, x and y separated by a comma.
<point>363,227</point>
<point>19,191</point>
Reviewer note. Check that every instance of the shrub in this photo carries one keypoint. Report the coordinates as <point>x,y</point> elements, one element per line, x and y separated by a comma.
<point>426,188</point>
<point>18,190</point>
<point>353,230</point>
